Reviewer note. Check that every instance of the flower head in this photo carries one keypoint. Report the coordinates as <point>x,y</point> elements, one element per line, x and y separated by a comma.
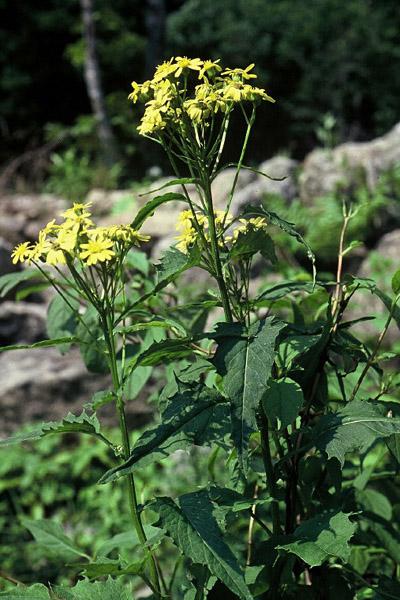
<point>21,252</point>
<point>97,250</point>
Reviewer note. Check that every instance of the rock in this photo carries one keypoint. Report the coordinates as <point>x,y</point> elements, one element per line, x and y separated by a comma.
<point>6,265</point>
<point>22,322</point>
<point>277,167</point>
<point>43,385</point>
<point>104,201</point>
<point>23,215</point>
<point>380,265</point>
<point>325,170</point>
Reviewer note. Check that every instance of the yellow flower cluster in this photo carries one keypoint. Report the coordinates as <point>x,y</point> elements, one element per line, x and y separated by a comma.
<point>169,98</point>
<point>77,238</point>
<point>189,225</point>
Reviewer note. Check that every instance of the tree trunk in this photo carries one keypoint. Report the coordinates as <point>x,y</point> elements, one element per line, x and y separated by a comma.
<point>94,86</point>
<point>155,27</point>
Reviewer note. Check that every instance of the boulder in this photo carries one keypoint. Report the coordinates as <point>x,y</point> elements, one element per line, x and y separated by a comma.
<point>325,170</point>
<point>283,170</point>
<point>23,215</point>
<point>380,265</point>
<point>22,322</point>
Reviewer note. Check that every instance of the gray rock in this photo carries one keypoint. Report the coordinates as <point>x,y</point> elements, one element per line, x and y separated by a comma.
<point>22,322</point>
<point>380,265</point>
<point>324,170</point>
<point>279,167</point>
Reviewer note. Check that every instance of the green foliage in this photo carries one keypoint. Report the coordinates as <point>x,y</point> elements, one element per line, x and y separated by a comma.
<point>194,530</point>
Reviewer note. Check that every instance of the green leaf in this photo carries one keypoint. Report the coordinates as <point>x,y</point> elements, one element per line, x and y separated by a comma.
<point>193,528</point>
<point>274,219</point>
<point>42,344</point>
<point>322,537</point>
<point>10,280</point>
<point>83,423</point>
<point>110,567</point>
<point>61,319</point>
<point>396,282</point>
<point>150,206</point>
<point>250,242</point>
<point>37,591</point>
<point>283,400</point>
<point>354,428</point>
<point>174,262</point>
<point>244,358</point>
<point>127,539</point>
<point>100,590</point>
<point>180,181</point>
<point>51,535</point>
<point>284,288</point>
<point>196,416</point>
<point>155,323</point>
<point>92,345</point>
<point>162,352</point>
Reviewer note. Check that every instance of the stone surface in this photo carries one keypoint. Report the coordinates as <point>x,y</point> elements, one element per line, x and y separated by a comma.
<point>324,170</point>
<point>23,215</point>
<point>380,265</point>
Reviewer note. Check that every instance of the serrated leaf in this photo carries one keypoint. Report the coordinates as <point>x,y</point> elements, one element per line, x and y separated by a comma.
<point>250,242</point>
<point>61,319</point>
<point>244,358</point>
<point>174,262</point>
<point>110,567</point>
<point>148,209</point>
<point>50,535</point>
<point>274,219</point>
<point>196,416</point>
<point>10,280</point>
<point>282,400</point>
<point>34,592</point>
<point>322,537</point>
<point>195,531</point>
<point>83,423</point>
<point>100,590</point>
<point>354,428</point>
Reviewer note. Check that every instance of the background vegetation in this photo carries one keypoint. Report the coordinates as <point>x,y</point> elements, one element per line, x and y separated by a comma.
<point>318,59</point>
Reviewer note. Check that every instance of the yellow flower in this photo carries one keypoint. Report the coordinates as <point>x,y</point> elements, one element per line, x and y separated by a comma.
<point>254,93</point>
<point>233,91</point>
<point>78,213</point>
<point>40,249</point>
<point>183,62</point>
<point>55,256</point>
<point>68,236</point>
<point>97,250</point>
<point>164,70</point>
<point>240,74</point>
<point>246,224</point>
<point>197,110</point>
<point>209,65</point>
<point>135,93</point>
<point>51,227</point>
<point>21,252</point>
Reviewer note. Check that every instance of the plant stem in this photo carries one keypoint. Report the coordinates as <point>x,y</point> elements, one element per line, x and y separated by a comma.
<point>215,250</point>
<point>269,470</point>
<point>133,503</point>
<point>376,349</point>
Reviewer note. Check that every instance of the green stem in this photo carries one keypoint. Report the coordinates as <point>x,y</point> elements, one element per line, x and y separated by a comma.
<point>215,250</point>
<point>133,503</point>
<point>376,349</point>
<point>269,470</point>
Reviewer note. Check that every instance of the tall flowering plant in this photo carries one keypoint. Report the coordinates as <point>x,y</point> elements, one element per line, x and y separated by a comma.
<point>297,416</point>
